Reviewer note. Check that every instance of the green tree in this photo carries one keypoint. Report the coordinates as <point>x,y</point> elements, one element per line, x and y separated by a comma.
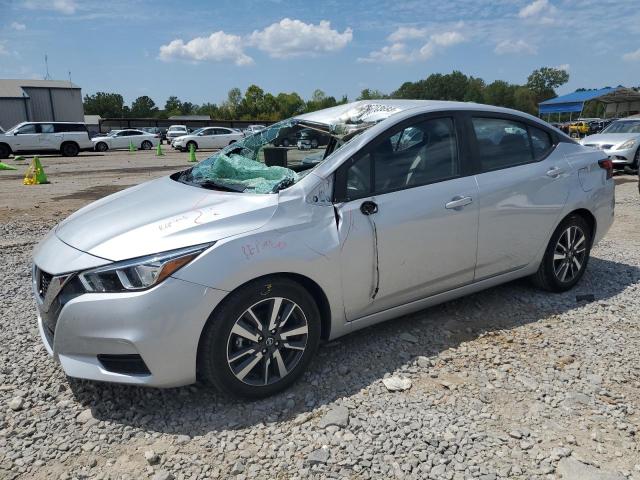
<point>499,93</point>
<point>173,106</point>
<point>369,94</point>
<point>143,106</point>
<point>543,82</point>
<point>289,104</point>
<point>104,104</point>
<point>475,90</point>
<point>252,104</point>
<point>210,109</point>
<point>187,108</point>
<point>525,100</point>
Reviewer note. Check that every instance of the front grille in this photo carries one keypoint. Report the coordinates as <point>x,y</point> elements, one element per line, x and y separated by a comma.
<point>43,281</point>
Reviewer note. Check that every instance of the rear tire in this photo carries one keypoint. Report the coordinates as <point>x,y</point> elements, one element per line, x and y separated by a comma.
<point>285,142</point>
<point>69,149</point>
<point>146,145</point>
<point>566,257</point>
<point>5,151</point>
<point>245,353</point>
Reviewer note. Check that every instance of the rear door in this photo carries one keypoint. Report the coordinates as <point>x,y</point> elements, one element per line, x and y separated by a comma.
<point>523,187</point>
<point>408,211</point>
<point>221,137</point>
<point>49,139</point>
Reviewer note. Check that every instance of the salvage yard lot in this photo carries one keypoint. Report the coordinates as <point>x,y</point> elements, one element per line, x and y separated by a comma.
<point>507,383</point>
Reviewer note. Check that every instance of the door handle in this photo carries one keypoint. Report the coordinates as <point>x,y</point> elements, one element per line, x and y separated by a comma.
<point>458,202</point>
<point>369,207</point>
<point>554,172</point>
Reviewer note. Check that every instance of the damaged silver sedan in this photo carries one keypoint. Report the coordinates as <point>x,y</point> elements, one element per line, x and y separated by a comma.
<point>234,270</point>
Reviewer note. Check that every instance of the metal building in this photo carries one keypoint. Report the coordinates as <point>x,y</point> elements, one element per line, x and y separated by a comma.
<point>39,101</point>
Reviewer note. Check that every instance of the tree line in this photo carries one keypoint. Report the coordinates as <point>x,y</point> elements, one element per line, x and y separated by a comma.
<point>256,104</point>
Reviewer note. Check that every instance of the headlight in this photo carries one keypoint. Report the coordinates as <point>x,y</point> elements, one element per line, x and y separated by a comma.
<point>627,144</point>
<point>139,273</point>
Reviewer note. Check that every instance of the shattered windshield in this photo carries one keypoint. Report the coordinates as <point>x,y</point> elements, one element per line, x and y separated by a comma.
<point>278,156</point>
<point>264,162</point>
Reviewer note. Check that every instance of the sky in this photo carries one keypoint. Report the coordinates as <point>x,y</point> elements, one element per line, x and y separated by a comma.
<point>199,50</point>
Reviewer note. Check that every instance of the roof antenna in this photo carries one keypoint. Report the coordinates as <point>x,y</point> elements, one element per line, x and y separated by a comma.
<point>46,64</point>
<point>69,72</point>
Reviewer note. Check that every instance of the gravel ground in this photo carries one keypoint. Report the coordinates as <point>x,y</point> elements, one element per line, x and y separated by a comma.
<point>507,383</point>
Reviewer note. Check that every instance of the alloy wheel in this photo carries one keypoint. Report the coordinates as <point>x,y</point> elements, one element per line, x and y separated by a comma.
<point>569,254</point>
<point>267,341</point>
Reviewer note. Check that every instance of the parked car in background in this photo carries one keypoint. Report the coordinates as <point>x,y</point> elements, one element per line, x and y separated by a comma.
<point>578,129</point>
<point>251,129</point>
<point>232,271</point>
<point>309,138</point>
<point>620,141</point>
<point>119,139</point>
<point>67,138</point>
<point>155,131</point>
<point>175,131</point>
<point>207,137</point>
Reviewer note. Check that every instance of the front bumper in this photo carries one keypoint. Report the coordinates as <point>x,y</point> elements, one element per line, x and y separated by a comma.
<point>161,325</point>
<point>621,158</point>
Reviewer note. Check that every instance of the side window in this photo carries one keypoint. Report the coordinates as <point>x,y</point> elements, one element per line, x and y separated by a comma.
<point>501,143</point>
<point>135,132</point>
<point>358,178</point>
<point>46,128</point>
<point>221,131</point>
<point>423,153</point>
<point>28,128</point>
<point>541,142</point>
<point>124,133</point>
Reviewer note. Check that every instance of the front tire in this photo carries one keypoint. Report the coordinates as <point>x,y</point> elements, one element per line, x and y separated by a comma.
<point>102,147</point>
<point>260,339</point>
<point>188,146</point>
<point>566,257</point>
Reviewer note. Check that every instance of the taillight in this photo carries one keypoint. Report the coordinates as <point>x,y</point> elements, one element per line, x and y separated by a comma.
<point>608,166</point>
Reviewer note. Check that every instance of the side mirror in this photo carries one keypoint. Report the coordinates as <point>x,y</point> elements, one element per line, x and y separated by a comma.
<point>15,133</point>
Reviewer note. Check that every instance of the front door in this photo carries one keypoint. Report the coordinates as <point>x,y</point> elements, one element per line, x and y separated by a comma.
<point>27,138</point>
<point>409,219</point>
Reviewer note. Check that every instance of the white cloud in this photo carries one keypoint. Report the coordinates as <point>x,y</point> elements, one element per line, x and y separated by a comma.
<point>3,50</point>
<point>289,38</point>
<point>399,52</point>
<point>632,56</point>
<point>541,11</point>
<point>218,46</point>
<point>18,26</point>
<point>506,47</point>
<point>565,66</point>
<point>68,7</point>
<point>407,33</point>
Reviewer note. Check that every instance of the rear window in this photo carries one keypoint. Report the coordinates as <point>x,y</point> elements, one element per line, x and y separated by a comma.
<point>504,143</point>
<point>69,127</point>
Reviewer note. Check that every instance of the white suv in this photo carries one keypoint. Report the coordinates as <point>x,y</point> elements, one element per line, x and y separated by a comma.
<point>176,131</point>
<point>67,138</point>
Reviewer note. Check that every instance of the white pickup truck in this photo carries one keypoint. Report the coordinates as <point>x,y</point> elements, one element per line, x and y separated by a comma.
<point>66,138</point>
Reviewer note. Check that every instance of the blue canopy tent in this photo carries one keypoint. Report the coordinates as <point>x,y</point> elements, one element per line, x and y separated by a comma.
<point>572,102</point>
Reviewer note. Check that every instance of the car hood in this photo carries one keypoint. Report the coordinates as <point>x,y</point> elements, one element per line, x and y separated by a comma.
<point>612,138</point>
<point>97,139</point>
<point>162,215</point>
